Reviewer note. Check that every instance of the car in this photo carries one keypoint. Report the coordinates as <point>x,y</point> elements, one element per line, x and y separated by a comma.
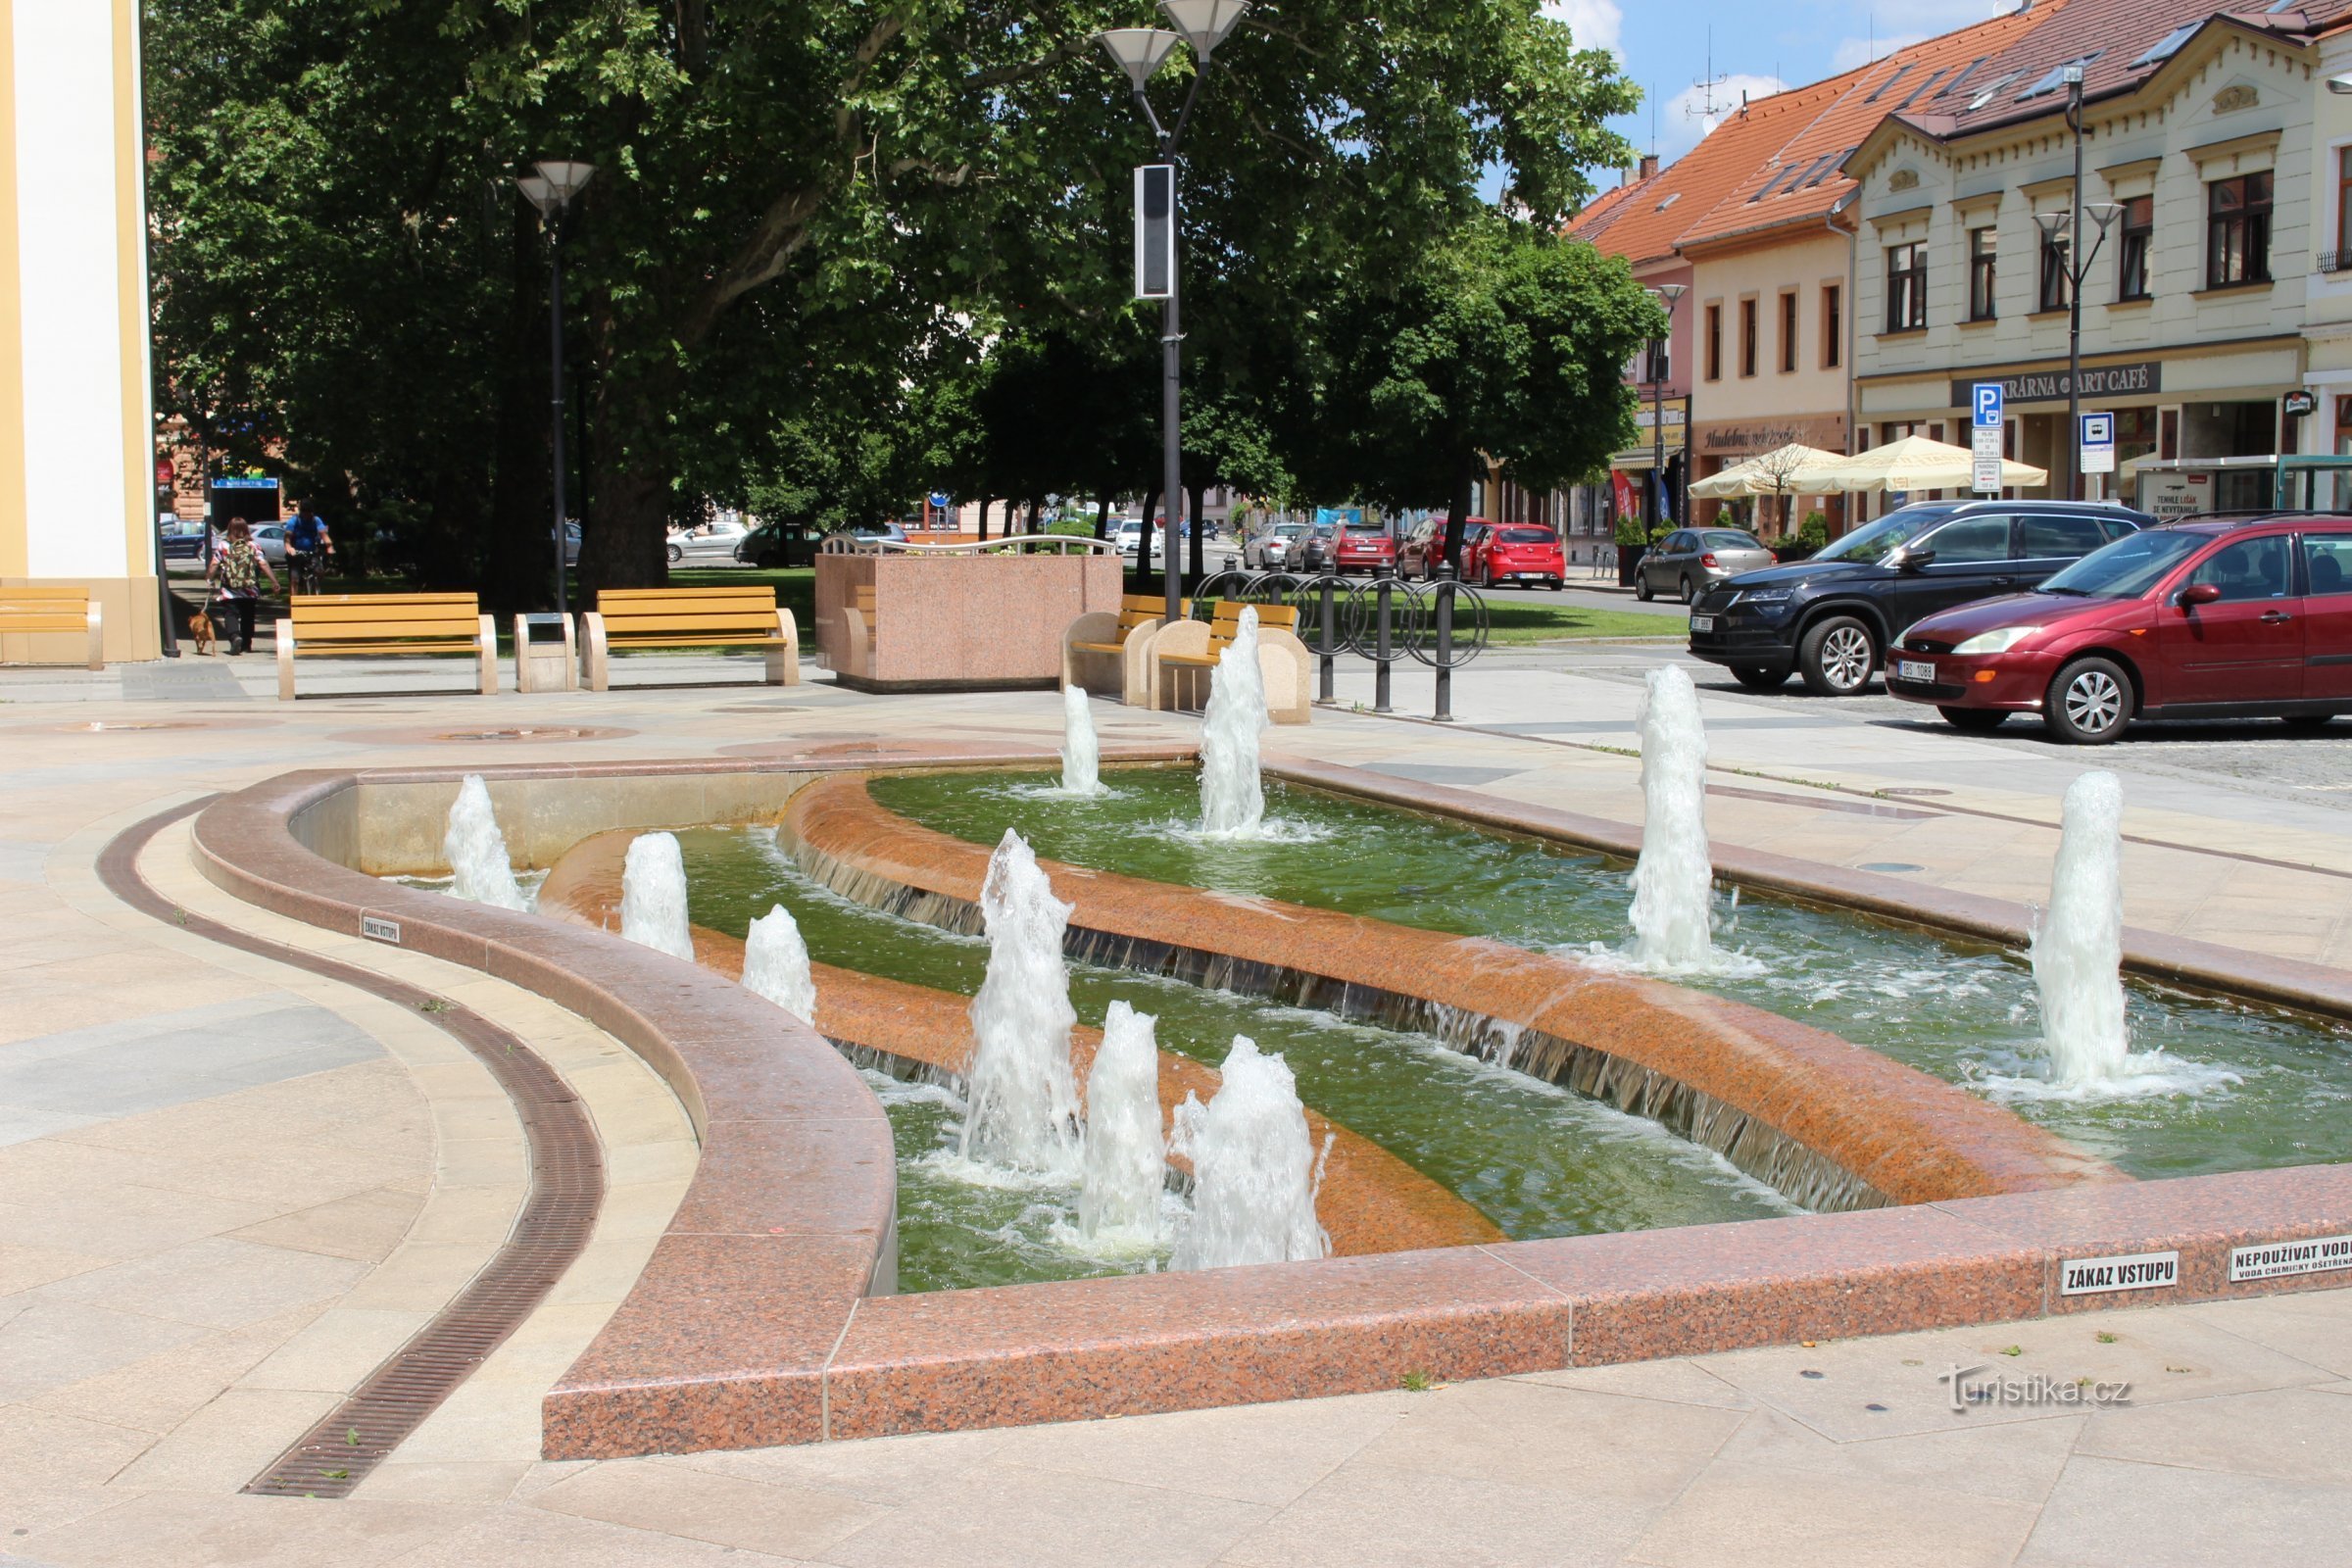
<point>1517,553</point>
<point>712,541</point>
<point>1688,562</point>
<point>1365,547</point>
<point>1424,546</point>
<point>779,544</point>
<point>1128,534</point>
<point>1831,618</point>
<point>2212,617</point>
<point>1272,549</point>
<point>1315,549</point>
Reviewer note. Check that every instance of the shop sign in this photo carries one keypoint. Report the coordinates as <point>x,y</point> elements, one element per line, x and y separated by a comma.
<point>2301,402</point>
<point>2050,386</point>
<point>2171,496</point>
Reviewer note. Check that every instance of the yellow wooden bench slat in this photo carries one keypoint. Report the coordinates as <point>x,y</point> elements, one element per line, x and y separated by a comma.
<point>389,631</point>
<point>323,649</point>
<point>692,621</point>
<point>41,620</point>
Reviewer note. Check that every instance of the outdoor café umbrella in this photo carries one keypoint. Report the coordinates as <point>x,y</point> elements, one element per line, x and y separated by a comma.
<point>1792,470</point>
<point>1916,462</point>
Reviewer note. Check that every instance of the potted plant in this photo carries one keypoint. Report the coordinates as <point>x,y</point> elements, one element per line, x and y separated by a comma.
<point>1633,542</point>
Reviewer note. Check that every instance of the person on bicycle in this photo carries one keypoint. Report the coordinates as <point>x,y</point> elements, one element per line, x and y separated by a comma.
<point>307,544</point>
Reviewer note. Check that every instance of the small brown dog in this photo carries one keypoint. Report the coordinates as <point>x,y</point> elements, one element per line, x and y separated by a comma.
<point>200,631</point>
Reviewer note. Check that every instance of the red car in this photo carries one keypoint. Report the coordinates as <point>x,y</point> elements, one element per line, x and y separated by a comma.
<point>2219,617</point>
<point>1517,553</point>
<point>1424,549</point>
<point>1364,547</point>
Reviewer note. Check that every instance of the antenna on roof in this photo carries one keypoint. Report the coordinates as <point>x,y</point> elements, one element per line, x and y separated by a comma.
<point>1702,107</point>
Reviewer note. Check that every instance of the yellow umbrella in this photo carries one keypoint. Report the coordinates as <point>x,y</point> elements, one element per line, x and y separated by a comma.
<point>1792,470</point>
<point>1916,462</point>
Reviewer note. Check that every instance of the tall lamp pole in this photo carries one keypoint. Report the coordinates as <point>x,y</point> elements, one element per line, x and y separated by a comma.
<point>2060,230</point>
<point>1666,294</point>
<point>552,190</point>
<point>1140,52</point>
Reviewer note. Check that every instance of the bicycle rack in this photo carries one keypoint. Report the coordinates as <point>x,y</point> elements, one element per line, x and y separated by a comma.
<point>1382,618</point>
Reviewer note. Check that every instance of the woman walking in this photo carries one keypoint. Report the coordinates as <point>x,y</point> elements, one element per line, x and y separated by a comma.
<point>238,568</point>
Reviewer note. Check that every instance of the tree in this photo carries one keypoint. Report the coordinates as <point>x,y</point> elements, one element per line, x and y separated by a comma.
<point>1509,345</point>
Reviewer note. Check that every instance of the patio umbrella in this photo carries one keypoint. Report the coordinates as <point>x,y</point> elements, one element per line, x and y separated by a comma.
<point>1916,462</point>
<point>1792,470</point>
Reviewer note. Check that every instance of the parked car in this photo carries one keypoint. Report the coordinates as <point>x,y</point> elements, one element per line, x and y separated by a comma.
<point>1424,546</point>
<point>1517,553</point>
<point>1688,562</point>
<point>1317,548</point>
<point>712,541</point>
<point>1831,618</point>
<point>779,542</point>
<point>1274,549</point>
<point>1128,534</point>
<point>1365,547</point>
<point>2217,618</point>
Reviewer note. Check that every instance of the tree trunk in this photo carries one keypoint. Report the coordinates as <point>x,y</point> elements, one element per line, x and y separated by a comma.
<point>1199,501</point>
<point>1036,506</point>
<point>517,556</point>
<point>984,504</point>
<point>1103,518</point>
<point>1143,549</point>
<point>1457,514</point>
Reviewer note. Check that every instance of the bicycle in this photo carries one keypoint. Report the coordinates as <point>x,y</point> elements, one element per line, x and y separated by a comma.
<point>306,571</point>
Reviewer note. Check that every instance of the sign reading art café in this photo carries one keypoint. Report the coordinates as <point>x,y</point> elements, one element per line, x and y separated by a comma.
<point>2049,386</point>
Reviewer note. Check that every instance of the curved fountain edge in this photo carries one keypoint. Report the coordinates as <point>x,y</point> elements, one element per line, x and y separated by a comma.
<point>721,1365</point>
<point>1831,1124</point>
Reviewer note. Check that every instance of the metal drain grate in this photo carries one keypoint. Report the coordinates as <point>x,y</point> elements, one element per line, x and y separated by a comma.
<point>568,1186</point>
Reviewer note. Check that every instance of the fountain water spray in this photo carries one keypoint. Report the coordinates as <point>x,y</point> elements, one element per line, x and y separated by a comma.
<point>1233,802</point>
<point>1254,1171</point>
<point>652,895</point>
<point>2079,943</point>
<point>1081,752</point>
<point>1673,881</point>
<point>477,851</point>
<point>1023,1098</point>
<point>1126,1167</point>
<point>775,964</point>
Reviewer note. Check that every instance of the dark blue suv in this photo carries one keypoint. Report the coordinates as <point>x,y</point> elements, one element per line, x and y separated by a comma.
<point>1832,618</point>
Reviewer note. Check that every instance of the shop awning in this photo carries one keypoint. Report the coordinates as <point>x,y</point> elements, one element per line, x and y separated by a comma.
<point>1796,469</point>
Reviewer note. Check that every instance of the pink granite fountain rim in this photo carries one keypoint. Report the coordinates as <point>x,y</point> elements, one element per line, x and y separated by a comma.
<point>757,1330</point>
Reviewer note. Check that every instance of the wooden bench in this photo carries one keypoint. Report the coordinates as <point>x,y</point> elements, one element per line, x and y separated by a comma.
<point>1180,652</point>
<point>1099,635</point>
<point>689,618</point>
<point>354,625</point>
<point>49,612</point>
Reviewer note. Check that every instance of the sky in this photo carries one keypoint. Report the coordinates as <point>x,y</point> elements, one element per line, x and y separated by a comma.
<point>1756,48</point>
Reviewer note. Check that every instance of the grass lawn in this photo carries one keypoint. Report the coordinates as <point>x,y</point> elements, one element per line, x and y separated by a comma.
<point>1523,623</point>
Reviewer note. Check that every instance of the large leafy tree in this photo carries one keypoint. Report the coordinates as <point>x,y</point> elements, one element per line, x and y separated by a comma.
<point>799,208</point>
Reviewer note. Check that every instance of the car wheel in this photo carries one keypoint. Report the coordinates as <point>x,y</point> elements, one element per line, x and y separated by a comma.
<point>2309,721</point>
<point>1836,656</point>
<point>1975,720</point>
<point>1758,678</point>
<point>1641,586</point>
<point>677,555</point>
<point>2089,703</point>
<point>1690,594</point>
<point>1486,575</point>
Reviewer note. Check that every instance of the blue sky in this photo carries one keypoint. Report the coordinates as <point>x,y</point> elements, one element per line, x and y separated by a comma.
<point>1757,48</point>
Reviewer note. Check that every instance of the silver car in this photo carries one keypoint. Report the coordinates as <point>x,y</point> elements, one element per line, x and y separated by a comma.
<point>1687,562</point>
<point>1277,548</point>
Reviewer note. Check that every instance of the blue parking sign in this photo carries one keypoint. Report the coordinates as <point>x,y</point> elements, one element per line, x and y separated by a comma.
<point>1988,405</point>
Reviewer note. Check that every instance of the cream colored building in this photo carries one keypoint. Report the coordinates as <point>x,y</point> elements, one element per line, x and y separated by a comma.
<point>76,434</point>
<point>2192,330</point>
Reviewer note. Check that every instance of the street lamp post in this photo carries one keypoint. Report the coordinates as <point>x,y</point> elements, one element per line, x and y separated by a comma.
<point>1666,294</point>
<point>1140,52</point>
<point>551,190</point>
<point>2061,228</point>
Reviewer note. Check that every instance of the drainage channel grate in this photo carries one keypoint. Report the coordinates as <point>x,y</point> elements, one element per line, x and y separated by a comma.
<point>568,1186</point>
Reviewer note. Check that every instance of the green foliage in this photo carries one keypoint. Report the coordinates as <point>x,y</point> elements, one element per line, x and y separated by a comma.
<point>1814,532</point>
<point>1631,534</point>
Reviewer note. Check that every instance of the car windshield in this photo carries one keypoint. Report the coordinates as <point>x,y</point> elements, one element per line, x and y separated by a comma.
<point>1876,541</point>
<point>1364,527</point>
<point>1725,539</point>
<point>1291,530</point>
<point>2128,567</point>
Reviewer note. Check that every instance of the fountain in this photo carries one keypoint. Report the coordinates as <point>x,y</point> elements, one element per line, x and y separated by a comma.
<point>1674,882</point>
<point>1081,754</point>
<point>1126,1169</point>
<point>652,895</point>
<point>1233,802</point>
<point>775,964</point>
<point>1023,1100</point>
<point>477,851</point>
<point>1255,1172</point>
<point>2079,944</point>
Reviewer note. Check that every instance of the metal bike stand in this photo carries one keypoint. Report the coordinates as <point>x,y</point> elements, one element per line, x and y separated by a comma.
<point>1452,648</point>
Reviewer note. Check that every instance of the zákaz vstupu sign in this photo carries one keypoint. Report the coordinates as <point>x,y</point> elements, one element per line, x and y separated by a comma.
<point>2049,386</point>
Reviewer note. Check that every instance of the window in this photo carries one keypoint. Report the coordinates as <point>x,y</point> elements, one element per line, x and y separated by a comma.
<point>2238,231</point>
<point>1714,342</point>
<point>2343,204</point>
<point>2251,568</point>
<point>1747,337</point>
<point>1833,326</point>
<point>1788,333</point>
<point>1906,287</point>
<point>2167,46</point>
<point>2328,563</point>
<point>2054,256</point>
<point>2054,78</point>
<point>2060,538</point>
<point>2137,233</point>
<point>1983,244</point>
<point>1970,541</point>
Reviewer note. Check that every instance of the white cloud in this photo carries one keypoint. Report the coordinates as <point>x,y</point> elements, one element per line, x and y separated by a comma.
<point>1594,23</point>
<point>1852,52</point>
<point>1899,23</point>
<point>1681,121</point>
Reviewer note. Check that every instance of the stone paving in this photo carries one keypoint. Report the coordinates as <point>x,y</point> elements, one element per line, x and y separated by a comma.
<point>225,1187</point>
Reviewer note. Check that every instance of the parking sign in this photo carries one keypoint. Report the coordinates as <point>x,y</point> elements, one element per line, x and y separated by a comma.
<point>1988,405</point>
<point>1985,439</point>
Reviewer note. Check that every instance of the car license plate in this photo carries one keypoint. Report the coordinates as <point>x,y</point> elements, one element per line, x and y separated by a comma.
<point>1914,669</point>
<point>1702,622</point>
